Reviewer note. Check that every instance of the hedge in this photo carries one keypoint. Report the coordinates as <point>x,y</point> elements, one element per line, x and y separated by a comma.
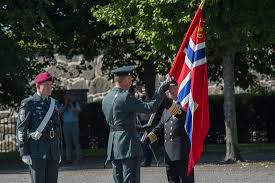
<point>254,113</point>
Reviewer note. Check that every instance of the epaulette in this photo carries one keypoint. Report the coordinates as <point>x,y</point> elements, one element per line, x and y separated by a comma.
<point>26,101</point>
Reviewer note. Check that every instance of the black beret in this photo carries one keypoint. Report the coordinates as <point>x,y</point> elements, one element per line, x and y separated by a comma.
<point>122,71</point>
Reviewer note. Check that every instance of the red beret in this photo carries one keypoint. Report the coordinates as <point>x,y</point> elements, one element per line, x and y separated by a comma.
<point>43,77</point>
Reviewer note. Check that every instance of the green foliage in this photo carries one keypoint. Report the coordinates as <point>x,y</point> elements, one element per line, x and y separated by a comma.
<point>134,32</point>
<point>151,26</point>
<point>156,29</point>
<point>245,28</point>
<point>18,42</point>
<point>25,33</point>
<point>77,30</point>
<point>29,29</point>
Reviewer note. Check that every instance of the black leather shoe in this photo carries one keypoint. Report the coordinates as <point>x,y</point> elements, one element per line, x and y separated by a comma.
<point>145,164</point>
<point>69,162</point>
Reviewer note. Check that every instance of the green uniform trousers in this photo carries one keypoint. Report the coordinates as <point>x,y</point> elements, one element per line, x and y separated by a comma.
<point>44,171</point>
<point>126,170</point>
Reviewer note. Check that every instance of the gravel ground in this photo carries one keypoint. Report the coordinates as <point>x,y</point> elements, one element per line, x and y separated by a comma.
<point>92,171</point>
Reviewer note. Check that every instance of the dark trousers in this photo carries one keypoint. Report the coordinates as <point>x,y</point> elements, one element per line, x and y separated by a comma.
<point>44,171</point>
<point>71,137</point>
<point>177,172</point>
<point>126,170</point>
<point>147,154</point>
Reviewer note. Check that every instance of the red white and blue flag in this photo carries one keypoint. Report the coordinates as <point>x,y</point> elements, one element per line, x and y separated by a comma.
<point>189,70</point>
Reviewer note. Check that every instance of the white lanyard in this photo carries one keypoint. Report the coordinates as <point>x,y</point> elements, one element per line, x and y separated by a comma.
<point>37,134</point>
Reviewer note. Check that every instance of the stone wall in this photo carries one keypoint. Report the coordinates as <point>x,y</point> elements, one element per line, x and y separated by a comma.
<point>68,76</point>
<point>7,131</point>
<point>98,84</point>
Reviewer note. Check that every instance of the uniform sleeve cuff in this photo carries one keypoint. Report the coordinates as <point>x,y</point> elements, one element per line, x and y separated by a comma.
<point>152,137</point>
<point>23,151</point>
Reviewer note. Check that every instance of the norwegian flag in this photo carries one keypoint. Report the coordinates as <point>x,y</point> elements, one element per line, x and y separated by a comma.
<point>189,70</point>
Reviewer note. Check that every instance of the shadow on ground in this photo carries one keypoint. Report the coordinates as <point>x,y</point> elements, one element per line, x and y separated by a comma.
<point>16,166</point>
<point>217,158</point>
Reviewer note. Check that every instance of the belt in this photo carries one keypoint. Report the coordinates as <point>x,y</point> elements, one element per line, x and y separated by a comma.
<point>53,133</point>
<point>121,128</point>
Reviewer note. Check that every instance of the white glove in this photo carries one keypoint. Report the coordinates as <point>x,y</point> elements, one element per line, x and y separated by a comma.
<point>36,135</point>
<point>27,159</point>
<point>60,159</point>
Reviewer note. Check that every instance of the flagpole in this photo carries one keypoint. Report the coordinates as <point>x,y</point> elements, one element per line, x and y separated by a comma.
<point>168,75</point>
<point>150,121</point>
<point>202,4</point>
<point>187,35</point>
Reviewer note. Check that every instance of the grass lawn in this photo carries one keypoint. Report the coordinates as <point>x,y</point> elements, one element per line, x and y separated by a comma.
<point>94,153</point>
<point>244,148</point>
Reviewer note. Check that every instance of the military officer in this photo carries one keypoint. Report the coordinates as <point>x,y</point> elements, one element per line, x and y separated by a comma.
<point>176,143</point>
<point>120,107</point>
<point>39,132</point>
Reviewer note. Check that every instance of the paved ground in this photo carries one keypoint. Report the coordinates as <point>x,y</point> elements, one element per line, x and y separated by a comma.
<point>91,170</point>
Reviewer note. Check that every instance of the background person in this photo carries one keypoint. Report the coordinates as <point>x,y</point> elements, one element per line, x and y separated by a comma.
<point>70,111</point>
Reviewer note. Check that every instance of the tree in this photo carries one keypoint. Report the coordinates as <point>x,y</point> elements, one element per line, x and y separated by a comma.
<point>239,27</point>
<point>236,33</point>
<point>41,28</point>
<point>22,35</point>
<point>77,30</point>
<point>140,29</point>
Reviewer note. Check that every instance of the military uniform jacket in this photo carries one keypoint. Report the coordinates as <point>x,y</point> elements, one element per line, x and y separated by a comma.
<point>172,131</point>
<point>31,113</point>
<point>120,108</point>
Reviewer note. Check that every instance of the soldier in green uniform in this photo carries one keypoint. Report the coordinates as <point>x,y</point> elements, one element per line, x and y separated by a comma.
<point>39,132</point>
<point>120,107</point>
